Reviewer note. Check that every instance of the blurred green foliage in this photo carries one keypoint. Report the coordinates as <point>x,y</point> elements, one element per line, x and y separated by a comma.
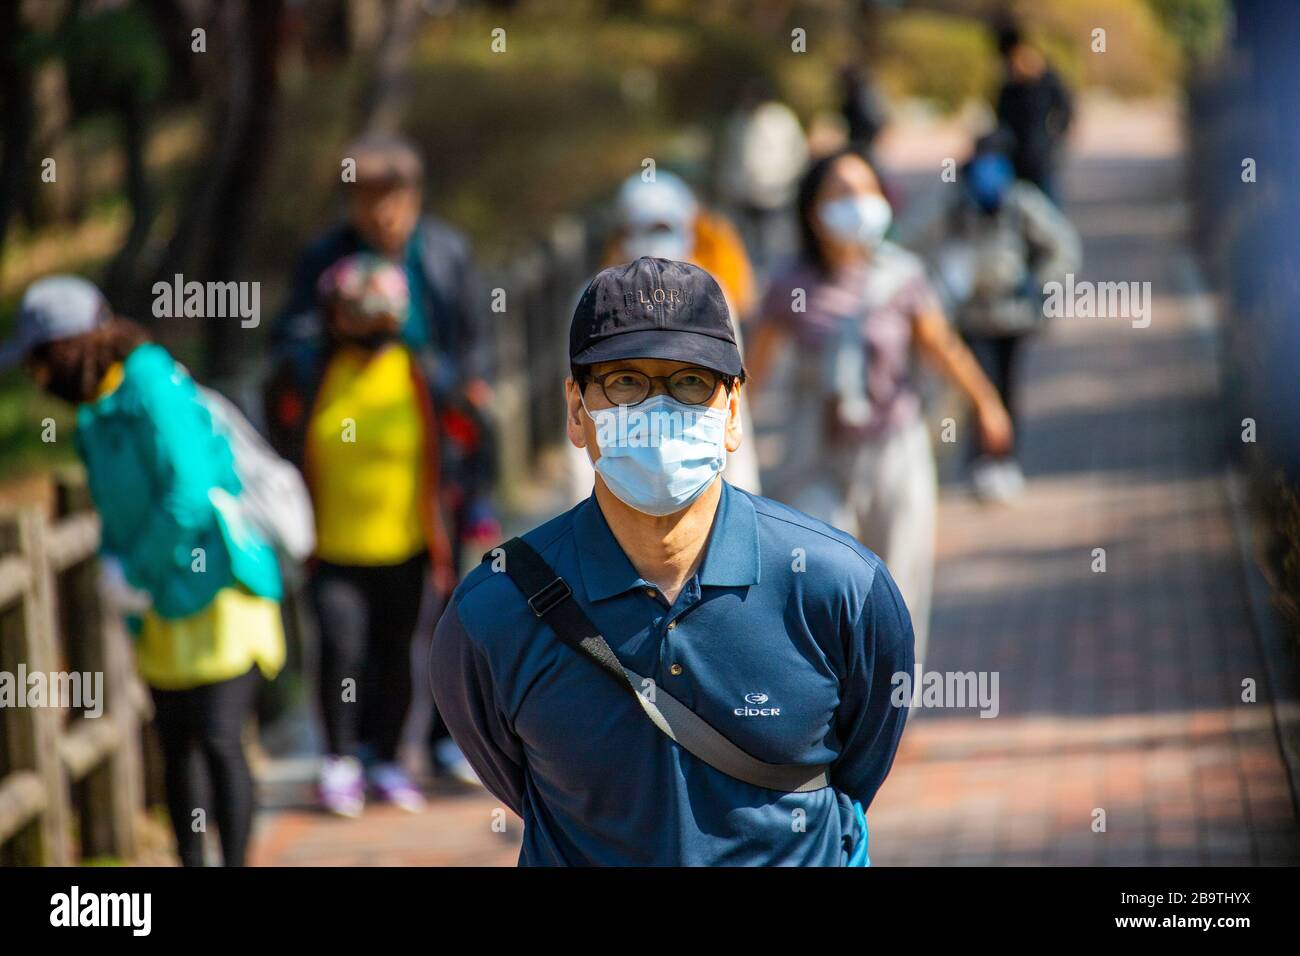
<point>1139,59</point>
<point>1197,26</point>
<point>112,55</point>
<point>945,59</point>
<point>22,411</point>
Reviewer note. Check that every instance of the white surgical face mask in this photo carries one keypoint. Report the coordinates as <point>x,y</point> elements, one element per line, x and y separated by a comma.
<point>659,456</point>
<point>862,220</point>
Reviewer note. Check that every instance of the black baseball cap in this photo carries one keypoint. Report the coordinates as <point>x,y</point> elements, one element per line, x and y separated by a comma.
<point>654,308</point>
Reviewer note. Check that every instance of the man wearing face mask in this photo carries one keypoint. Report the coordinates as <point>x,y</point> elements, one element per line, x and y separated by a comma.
<point>666,600</point>
<point>662,218</point>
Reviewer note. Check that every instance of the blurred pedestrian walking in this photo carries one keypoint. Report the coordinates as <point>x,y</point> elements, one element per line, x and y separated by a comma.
<point>446,329</point>
<point>204,582</point>
<point>1002,241</point>
<point>1034,105</point>
<point>760,155</point>
<point>664,219</point>
<point>853,314</point>
<point>863,110</point>
<point>371,457</point>
<point>445,333</point>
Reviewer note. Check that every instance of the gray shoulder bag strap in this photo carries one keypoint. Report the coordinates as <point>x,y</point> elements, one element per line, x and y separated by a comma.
<point>552,600</point>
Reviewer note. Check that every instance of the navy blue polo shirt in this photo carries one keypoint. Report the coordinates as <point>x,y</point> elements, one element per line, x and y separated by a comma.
<point>785,639</point>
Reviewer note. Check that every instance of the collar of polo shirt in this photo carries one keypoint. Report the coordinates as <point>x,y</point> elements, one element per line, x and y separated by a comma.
<point>730,557</point>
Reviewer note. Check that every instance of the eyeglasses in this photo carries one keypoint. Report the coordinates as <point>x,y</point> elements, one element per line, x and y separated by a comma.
<point>690,386</point>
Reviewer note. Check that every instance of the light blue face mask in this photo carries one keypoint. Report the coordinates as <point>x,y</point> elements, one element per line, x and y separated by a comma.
<point>659,456</point>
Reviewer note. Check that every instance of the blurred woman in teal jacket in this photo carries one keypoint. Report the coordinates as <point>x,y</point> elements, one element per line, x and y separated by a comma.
<point>164,482</point>
<point>152,432</point>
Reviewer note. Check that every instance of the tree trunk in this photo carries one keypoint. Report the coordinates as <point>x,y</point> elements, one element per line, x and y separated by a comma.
<point>384,103</point>
<point>120,274</point>
<point>15,116</point>
<point>243,154</point>
<point>213,227</point>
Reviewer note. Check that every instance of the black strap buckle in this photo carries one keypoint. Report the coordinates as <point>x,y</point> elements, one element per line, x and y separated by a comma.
<point>548,597</point>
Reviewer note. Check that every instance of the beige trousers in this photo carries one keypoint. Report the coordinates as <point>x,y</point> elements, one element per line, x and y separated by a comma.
<point>885,493</point>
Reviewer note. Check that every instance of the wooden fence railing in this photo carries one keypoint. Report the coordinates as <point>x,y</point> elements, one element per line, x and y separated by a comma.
<point>71,785</point>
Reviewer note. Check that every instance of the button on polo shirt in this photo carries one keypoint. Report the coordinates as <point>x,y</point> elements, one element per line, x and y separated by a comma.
<point>785,640</point>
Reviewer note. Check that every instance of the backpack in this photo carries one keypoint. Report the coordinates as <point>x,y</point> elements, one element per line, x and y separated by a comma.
<point>274,499</point>
<point>988,270</point>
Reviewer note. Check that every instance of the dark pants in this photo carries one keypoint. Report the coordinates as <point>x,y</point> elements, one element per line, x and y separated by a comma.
<point>366,616</point>
<point>197,728</point>
<point>998,357</point>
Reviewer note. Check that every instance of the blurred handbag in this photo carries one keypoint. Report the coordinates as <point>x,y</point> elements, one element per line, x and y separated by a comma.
<point>274,500</point>
<point>847,409</point>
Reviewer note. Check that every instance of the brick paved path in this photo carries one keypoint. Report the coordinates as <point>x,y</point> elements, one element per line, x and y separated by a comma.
<point>459,828</point>
<point>1118,691</point>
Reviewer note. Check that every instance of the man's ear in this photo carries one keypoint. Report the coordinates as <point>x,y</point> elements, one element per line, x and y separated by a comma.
<point>735,430</point>
<point>573,417</point>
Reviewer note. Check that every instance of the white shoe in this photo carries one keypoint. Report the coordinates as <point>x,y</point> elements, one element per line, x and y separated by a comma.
<point>393,785</point>
<point>451,761</point>
<point>1011,479</point>
<point>986,480</point>
<point>341,789</point>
